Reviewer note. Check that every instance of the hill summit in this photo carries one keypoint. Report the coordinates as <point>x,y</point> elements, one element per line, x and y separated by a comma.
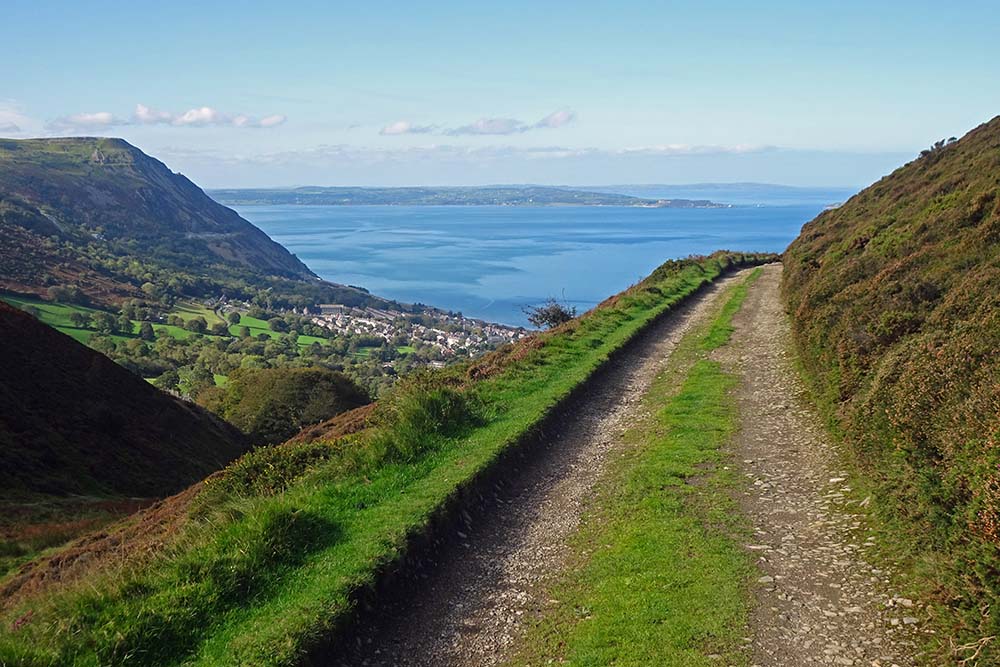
<point>70,207</point>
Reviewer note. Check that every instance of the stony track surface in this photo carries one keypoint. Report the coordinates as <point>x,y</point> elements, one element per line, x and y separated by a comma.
<point>819,601</point>
<point>469,609</point>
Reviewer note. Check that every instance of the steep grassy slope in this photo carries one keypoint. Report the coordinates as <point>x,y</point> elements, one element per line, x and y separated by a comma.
<point>896,305</point>
<point>74,422</point>
<point>110,190</point>
<point>259,564</point>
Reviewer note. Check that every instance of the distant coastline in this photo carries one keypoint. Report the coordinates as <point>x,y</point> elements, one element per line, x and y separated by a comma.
<point>531,196</point>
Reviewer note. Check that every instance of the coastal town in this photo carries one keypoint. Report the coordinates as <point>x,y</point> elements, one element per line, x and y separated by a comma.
<point>448,333</point>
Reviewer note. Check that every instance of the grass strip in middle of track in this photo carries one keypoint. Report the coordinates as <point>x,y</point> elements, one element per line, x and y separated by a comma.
<point>659,574</point>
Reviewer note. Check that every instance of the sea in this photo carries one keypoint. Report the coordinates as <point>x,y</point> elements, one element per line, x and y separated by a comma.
<point>491,262</point>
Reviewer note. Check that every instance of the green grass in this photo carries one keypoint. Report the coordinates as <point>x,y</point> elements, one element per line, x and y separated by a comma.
<point>258,326</point>
<point>658,575</point>
<point>57,315</point>
<point>263,569</point>
<point>187,310</point>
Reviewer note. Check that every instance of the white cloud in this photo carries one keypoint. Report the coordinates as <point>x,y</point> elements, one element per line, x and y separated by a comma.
<point>144,114</point>
<point>496,126</point>
<point>97,120</point>
<point>405,127</point>
<point>695,149</point>
<point>346,154</point>
<point>557,119</point>
<point>493,126</point>
<point>271,121</point>
<point>13,120</point>
<point>200,116</point>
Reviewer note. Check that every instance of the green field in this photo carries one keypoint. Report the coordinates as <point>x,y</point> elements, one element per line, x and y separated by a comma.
<point>258,326</point>
<point>57,315</point>
<point>272,549</point>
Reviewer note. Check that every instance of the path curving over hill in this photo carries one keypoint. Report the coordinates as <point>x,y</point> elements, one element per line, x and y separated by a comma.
<point>468,610</point>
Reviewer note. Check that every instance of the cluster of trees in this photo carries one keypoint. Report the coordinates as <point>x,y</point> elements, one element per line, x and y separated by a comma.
<point>271,405</point>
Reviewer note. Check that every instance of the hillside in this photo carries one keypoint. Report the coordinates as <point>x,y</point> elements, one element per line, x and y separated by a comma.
<point>896,312</point>
<point>263,561</point>
<point>74,422</point>
<point>102,216</point>
<point>507,195</point>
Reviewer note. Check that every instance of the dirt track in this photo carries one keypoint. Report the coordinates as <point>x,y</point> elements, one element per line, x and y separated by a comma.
<point>819,600</point>
<point>469,609</point>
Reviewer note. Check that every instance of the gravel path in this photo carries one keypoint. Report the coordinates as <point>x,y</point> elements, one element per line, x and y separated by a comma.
<point>468,610</point>
<point>818,601</point>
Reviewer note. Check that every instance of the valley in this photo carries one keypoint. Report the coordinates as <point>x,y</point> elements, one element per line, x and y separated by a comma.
<point>745,457</point>
<point>500,335</point>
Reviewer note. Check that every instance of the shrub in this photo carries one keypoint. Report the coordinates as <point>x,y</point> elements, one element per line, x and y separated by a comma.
<point>551,314</point>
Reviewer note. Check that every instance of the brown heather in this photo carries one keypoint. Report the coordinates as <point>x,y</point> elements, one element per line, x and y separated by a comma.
<point>895,298</point>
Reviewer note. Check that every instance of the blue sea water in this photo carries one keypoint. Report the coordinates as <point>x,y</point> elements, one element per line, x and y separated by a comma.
<point>492,261</point>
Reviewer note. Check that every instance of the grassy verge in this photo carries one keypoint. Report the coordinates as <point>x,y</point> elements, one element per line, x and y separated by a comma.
<point>659,576</point>
<point>270,553</point>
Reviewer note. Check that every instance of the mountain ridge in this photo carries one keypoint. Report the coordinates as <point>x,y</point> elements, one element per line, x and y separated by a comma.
<point>80,210</point>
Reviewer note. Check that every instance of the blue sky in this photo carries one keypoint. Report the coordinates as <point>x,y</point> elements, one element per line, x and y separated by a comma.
<point>390,93</point>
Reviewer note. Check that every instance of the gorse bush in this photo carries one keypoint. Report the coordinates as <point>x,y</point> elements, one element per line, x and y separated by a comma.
<point>896,310</point>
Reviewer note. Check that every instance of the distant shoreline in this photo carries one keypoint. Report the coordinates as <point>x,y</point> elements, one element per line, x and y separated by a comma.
<point>529,196</point>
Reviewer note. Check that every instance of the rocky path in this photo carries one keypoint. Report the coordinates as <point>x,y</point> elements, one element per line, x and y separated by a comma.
<point>819,601</point>
<point>469,610</point>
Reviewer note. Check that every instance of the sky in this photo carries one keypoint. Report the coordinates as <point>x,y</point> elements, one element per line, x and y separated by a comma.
<point>464,93</point>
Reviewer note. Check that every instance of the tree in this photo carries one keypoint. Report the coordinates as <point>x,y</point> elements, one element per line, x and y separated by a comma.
<point>244,332</point>
<point>151,290</point>
<point>79,320</point>
<point>124,323</point>
<point>234,317</point>
<point>65,294</point>
<point>271,405</point>
<point>196,324</point>
<point>550,314</point>
<point>220,329</point>
<point>277,324</point>
<point>104,323</point>
<point>146,331</point>
<point>168,380</point>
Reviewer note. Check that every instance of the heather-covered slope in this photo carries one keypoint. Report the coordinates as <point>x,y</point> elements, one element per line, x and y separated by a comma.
<point>68,206</point>
<point>74,422</point>
<point>895,299</point>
